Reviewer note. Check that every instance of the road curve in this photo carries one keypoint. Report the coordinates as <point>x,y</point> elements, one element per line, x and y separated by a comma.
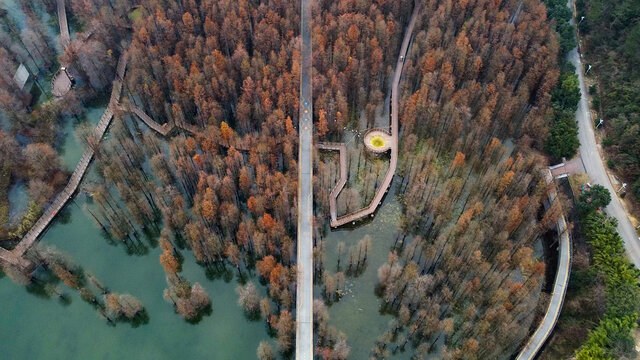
<point>594,167</point>
<point>304,282</point>
<point>559,289</point>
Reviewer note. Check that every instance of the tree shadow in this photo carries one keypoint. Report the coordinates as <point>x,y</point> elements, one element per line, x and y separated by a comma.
<point>207,311</point>
<point>137,249</point>
<point>252,315</point>
<point>64,215</point>
<point>219,271</point>
<point>151,234</point>
<point>141,318</point>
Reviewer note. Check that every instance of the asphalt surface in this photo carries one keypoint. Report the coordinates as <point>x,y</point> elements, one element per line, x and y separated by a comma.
<point>594,166</point>
<point>304,289</point>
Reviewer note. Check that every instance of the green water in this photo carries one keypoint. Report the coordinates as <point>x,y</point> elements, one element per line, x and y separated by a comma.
<point>70,150</point>
<point>32,327</point>
<point>357,314</point>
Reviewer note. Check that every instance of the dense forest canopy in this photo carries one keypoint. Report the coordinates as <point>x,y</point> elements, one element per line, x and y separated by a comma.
<point>476,104</point>
<point>475,110</point>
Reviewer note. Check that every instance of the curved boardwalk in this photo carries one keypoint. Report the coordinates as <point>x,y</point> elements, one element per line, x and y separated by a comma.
<point>65,37</point>
<point>559,289</point>
<point>393,163</point>
<point>342,149</point>
<point>14,257</point>
<point>163,129</point>
<point>166,130</point>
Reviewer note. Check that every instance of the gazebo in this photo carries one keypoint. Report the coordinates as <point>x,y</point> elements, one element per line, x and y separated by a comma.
<point>61,83</point>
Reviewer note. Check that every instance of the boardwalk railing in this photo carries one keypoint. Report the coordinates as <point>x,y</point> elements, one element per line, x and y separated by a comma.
<point>76,177</point>
<point>394,138</point>
<point>65,37</point>
<point>166,129</point>
<point>547,324</point>
<point>342,149</point>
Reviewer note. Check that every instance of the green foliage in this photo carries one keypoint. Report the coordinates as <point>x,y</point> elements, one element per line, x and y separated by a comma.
<point>567,94</point>
<point>611,164</point>
<point>596,198</point>
<point>599,339</point>
<point>635,189</point>
<point>563,136</point>
<point>558,10</point>
<point>30,217</point>
<point>612,36</point>
<point>613,333</point>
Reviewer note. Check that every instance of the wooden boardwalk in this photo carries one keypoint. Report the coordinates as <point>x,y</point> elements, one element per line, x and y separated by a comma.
<point>15,256</point>
<point>550,318</point>
<point>167,129</point>
<point>164,129</point>
<point>394,138</point>
<point>342,149</point>
<point>65,37</point>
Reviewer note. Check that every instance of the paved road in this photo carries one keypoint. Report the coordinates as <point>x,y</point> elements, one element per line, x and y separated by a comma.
<point>594,166</point>
<point>559,289</point>
<point>304,288</point>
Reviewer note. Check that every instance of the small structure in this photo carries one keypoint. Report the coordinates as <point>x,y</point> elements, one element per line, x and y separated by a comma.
<point>21,78</point>
<point>61,83</point>
<point>377,141</point>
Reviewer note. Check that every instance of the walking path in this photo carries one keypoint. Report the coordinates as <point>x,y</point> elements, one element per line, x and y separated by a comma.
<point>15,256</point>
<point>392,138</point>
<point>559,287</point>
<point>595,168</point>
<point>166,129</point>
<point>61,82</point>
<point>163,129</point>
<point>304,263</point>
<point>65,37</point>
<point>342,148</point>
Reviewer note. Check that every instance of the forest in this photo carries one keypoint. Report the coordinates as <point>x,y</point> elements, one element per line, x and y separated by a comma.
<point>611,35</point>
<point>562,141</point>
<point>612,337</point>
<point>33,121</point>
<point>481,99</point>
<point>474,123</point>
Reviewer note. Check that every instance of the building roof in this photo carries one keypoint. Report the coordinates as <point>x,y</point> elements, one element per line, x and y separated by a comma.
<point>21,76</point>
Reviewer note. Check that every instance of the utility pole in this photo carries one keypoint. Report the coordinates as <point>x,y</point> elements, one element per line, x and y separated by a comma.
<point>589,68</point>
<point>624,186</point>
<point>581,20</point>
<point>600,123</point>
